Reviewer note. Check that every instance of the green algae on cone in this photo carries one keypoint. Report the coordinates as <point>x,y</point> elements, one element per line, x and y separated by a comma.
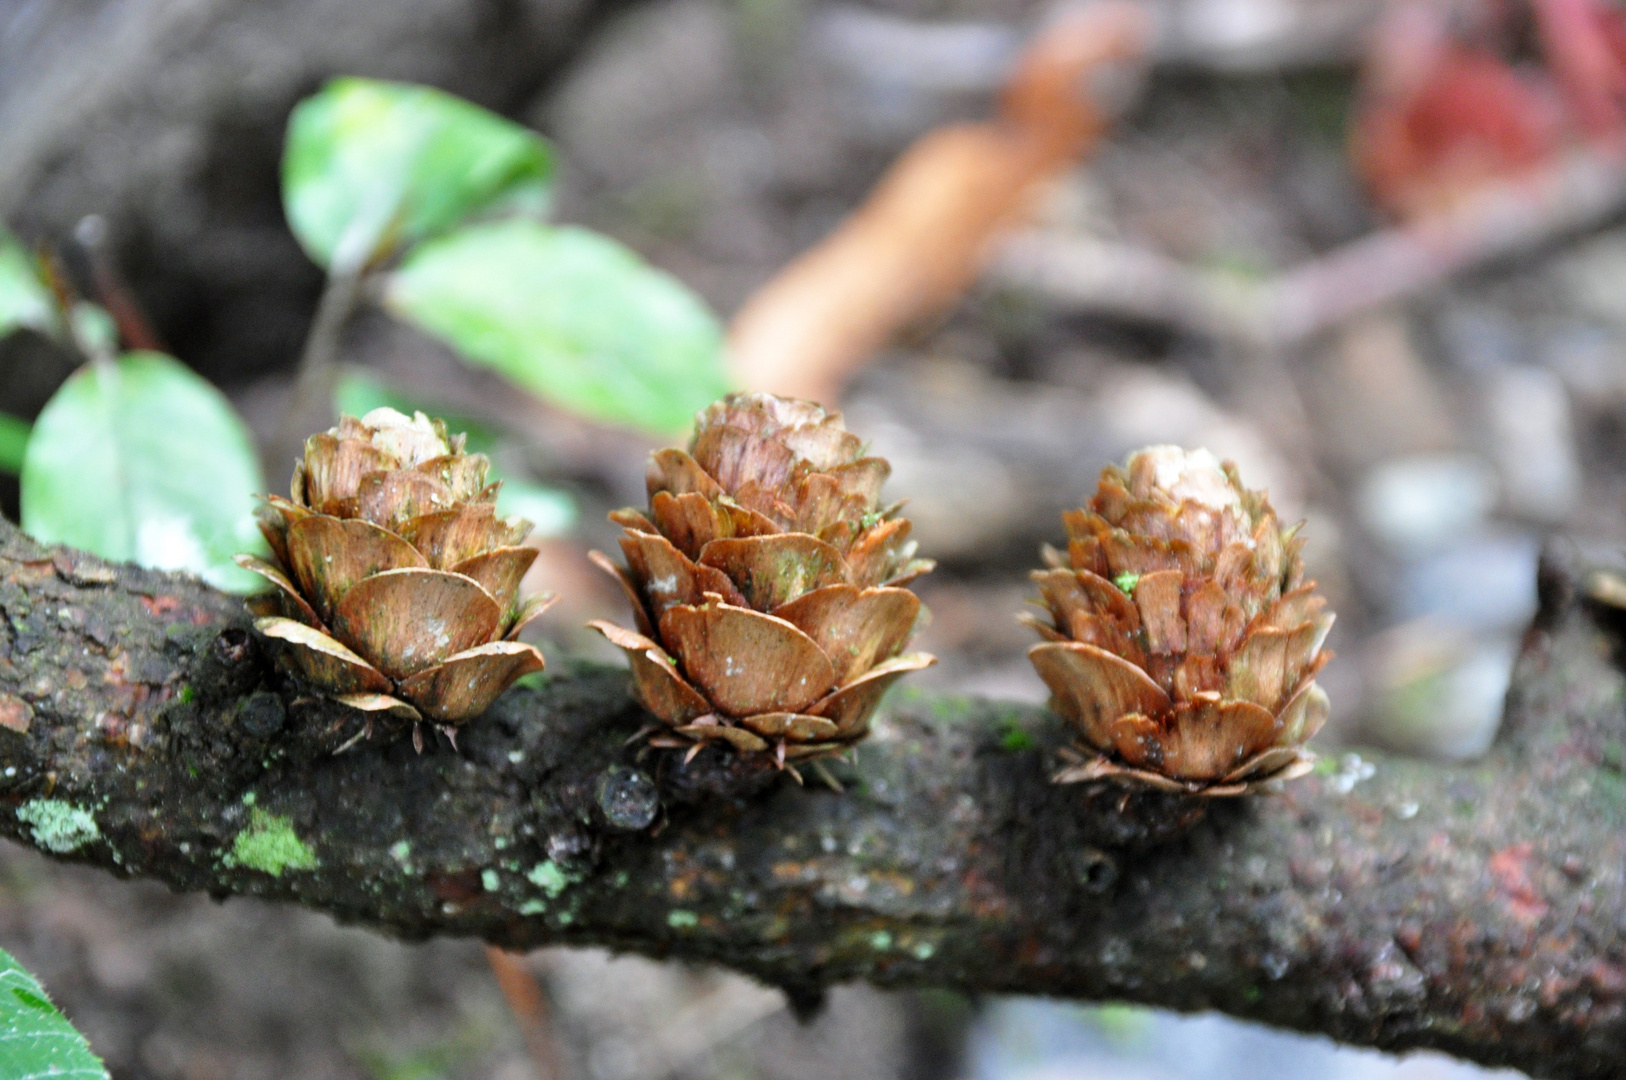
<point>1183,642</point>
<point>397,586</point>
<point>766,582</point>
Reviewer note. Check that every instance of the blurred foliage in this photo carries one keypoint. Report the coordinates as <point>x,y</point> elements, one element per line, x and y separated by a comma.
<point>36,1041</point>
<point>434,1059</point>
<point>143,460</point>
<point>570,315</point>
<point>376,172</point>
<point>1121,1024</point>
<point>374,166</point>
<point>14,434</point>
<point>25,300</point>
<point>433,201</point>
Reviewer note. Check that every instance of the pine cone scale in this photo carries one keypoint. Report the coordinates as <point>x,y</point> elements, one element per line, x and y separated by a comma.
<point>797,726</point>
<point>448,537</point>
<point>330,555</point>
<point>333,468</point>
<point>321,660</point>
<point>753,580</point>
<point>397,585</point>
<point>461,684</point>
<point>1185,648</point>
<point>668,577</point>
<point>746,662</point>
<point>288,592</point>
<point>499,573</point>
<point>404,621</point>
<point>770,571</point>
<point>675,472</point>
<point>663,691</point>
<point>1097,686</point>
<point>629,589</point>
<point>851,706</point>
<point>855,628</point>
<point>275,518</point>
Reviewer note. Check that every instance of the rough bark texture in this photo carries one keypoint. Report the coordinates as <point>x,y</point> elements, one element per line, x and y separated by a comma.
<point>1477,909</point>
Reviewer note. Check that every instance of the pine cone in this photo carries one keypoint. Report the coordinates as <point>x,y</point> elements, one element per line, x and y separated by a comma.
<point>397,583</point>
<point>766,583</point>
<point>1184,644</point>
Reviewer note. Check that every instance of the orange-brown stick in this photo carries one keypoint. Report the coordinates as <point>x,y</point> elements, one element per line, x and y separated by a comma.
<point>921,238</point>
<point>529,1004</point>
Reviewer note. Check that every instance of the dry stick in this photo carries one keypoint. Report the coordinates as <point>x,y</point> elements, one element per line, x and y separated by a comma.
<point>135,329</point>
<point>529,1004</point>
<point>922,235</point>
<point>1500,220</point>
<point>927,230</point>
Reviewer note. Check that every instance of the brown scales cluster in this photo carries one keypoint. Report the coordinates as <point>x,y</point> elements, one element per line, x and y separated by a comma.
<point>397,585</point>
<point>1184,643</point>
<point>766,583</point>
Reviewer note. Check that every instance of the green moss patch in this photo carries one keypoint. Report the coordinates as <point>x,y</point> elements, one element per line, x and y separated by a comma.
<point>270,845</point>
<point>549,878</point>
<point>59,826</point>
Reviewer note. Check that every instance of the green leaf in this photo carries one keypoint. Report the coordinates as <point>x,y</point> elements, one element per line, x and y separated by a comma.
<point>25,301</point>
<point>36,1041</point>
<point>13,440</point>
<point>370,166</point>
<point>569,315</point>
<point>552,512</point>
<point>143,460</point>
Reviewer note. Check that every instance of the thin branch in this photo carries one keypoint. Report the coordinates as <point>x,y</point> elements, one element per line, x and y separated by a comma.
<point>1503,219</point>
<point>1477,909</point>
<point>310,405</point>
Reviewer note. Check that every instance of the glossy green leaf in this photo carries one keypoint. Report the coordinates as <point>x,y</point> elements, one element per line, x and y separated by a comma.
<point>570,315</point>
<point>14,433</point>
<point>36,1041</point>
<point>371,166</point>
<point>25,302</point>
<point>143,460</point>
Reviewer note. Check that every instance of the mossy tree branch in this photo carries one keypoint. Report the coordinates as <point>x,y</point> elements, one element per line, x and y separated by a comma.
<point>1477,909</point>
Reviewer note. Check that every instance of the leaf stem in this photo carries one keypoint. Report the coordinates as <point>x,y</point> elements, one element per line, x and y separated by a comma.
<point>310,406</point>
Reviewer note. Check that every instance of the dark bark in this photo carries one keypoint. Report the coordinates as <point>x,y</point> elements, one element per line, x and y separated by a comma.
<point>1478,909</point>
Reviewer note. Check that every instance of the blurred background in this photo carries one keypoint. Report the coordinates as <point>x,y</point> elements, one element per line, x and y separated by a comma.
<point>1376,254</point>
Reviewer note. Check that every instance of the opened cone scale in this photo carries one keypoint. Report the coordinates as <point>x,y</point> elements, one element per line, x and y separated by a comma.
<point>766,583</point>
<point>1183,643</point>
<point>397,586</point>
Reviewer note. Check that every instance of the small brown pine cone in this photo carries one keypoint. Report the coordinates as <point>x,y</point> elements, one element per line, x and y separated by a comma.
<point>397,585</point>
<point>766,583</point>
<point>1184,643</point>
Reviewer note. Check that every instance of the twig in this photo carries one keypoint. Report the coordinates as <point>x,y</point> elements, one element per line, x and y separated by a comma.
<point>135,328</point>
<point>922,235</point>
<point>1499,221</point>
<point>310,405</point>
<point>529,1004</point>
<point>1474,909</point>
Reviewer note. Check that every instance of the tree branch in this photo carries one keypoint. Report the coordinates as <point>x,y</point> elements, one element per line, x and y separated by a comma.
<point>1477,909</point>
